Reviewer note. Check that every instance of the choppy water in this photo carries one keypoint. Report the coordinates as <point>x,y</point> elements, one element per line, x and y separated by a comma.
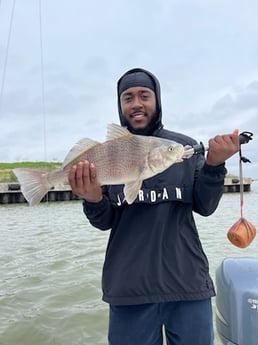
<point>51,262</point>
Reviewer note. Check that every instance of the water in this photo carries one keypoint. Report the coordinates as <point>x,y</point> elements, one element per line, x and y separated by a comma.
<point>51,262</point>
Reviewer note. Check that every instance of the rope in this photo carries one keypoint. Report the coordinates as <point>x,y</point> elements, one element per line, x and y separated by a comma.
<point>6,55</point>
<point>245,137</point>
<point>42,74</point>
<point>241,183</point>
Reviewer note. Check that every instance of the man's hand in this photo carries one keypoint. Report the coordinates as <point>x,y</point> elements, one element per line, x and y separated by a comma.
<point>84,182</point>
<point>222,147</point>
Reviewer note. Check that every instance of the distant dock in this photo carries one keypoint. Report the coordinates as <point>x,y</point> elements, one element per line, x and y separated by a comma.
<point>10,193</point>
<point>232,184</point>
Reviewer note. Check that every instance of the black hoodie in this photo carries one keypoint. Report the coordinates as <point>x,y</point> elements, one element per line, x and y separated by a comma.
<point>154,253</point>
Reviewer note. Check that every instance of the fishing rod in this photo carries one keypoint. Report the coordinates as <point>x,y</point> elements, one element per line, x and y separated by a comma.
<point>244,138</point>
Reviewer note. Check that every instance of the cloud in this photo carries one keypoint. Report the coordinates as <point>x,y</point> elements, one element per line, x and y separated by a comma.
<point>204,54</point>
<point>236,109</point>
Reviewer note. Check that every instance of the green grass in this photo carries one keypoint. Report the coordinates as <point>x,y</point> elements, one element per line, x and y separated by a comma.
<point>7,175</point>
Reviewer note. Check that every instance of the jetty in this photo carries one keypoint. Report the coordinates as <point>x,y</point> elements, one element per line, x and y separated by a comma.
<point>10,193</point>
<point>232,184</point>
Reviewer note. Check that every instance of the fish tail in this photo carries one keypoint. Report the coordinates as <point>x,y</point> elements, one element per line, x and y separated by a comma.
<point>34,184</point>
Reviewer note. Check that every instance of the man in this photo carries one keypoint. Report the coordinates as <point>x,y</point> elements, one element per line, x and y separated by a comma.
<point>155,272</point>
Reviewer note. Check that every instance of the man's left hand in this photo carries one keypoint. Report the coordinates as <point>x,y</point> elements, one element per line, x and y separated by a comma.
<point>222,147</point>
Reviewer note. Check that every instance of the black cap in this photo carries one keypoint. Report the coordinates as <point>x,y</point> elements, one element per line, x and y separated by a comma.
<point>135,79</point>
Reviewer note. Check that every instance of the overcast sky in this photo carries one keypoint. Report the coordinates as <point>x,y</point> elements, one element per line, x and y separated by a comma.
<point>204,52</point>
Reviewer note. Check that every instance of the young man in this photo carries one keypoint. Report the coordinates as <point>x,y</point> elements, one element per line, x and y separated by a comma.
<point>155,271</point>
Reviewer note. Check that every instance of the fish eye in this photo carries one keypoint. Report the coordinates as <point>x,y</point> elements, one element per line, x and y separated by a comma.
<point>170,148</point>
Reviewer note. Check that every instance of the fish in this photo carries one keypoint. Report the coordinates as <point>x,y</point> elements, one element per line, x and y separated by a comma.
<point>123,158</point>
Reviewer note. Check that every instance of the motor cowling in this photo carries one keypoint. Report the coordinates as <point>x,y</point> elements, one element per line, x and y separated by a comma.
<point>237,301</point>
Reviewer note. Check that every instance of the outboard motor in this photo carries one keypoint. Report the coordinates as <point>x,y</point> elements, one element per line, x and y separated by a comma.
<point>237,301</point>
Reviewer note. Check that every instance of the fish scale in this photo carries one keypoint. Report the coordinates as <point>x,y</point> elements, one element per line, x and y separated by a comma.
<point>116,161</point>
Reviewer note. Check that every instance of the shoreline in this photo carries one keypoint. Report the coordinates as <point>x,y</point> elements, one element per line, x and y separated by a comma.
<point>10,192</point>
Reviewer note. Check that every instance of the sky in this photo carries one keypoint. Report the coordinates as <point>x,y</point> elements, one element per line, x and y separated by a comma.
<point>60,61</point>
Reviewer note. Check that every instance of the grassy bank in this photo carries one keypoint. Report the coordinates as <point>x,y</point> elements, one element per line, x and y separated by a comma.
<point>6,169</point>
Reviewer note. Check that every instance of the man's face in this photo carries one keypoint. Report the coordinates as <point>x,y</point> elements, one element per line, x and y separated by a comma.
<point>138,106</point>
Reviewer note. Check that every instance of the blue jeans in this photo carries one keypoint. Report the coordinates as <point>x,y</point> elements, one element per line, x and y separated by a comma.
<point>185,323</point>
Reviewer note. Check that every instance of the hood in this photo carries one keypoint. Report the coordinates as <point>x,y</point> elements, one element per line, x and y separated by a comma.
<point>140,77</point>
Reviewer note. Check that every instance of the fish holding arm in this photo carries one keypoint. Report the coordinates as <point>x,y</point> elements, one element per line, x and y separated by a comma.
<point>209,180</point>
<point>97,207</point>
<point>225,145</point>
<point>84,182</point>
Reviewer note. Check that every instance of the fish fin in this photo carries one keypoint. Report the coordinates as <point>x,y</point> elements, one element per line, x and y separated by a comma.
<point>34,184</point>
<point>80,147</point>
<point>131,190</point>
<point>115,131</point>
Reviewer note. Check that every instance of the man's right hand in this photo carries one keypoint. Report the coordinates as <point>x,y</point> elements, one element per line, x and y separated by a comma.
<point>84,183</point>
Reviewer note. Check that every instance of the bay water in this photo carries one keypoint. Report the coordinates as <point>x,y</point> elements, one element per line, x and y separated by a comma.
<point>51,261</point>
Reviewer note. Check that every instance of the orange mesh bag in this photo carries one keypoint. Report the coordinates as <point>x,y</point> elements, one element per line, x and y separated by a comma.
<point>242,233</point>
